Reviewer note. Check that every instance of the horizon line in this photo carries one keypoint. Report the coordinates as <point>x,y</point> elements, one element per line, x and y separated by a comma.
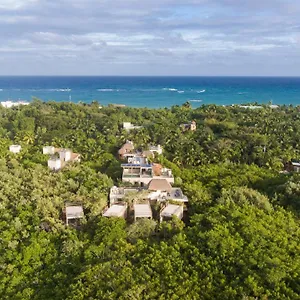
<point>257,76</point>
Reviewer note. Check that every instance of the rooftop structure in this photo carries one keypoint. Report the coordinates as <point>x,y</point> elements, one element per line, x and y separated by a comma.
<point>118,193</point>
<point>171,210</point>
<point>175,194</point>
<point>137,160</point>
<point>15,148</point>
<point>142,211</point>
<point>116,210</point>
<point>9,104</point>
<point>73,212</point>
<point>142,174</point>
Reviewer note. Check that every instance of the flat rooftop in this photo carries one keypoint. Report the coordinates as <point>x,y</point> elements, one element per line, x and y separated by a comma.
<point>171,210</point>
<point>74,212</point>
<point>136,165</point>
<point>177,194</point>
<point>115,211</point>
<point>142,211</point>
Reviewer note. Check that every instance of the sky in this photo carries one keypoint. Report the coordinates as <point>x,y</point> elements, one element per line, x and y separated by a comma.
<point>150,37</point>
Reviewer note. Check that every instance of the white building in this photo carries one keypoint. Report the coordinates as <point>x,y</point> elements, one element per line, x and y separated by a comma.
<point>54,163</point>
<point>9,104</point>
<point>49,150</point>
<point>65,154</point>
<point>128,126</point>
<point>171,210</point>
<point>116,210</point>
<point>295,166</point>
<point>73,212</point>
<point>15,148</point>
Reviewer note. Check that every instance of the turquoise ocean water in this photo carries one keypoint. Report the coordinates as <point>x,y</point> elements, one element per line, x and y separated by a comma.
<point>153,92</point>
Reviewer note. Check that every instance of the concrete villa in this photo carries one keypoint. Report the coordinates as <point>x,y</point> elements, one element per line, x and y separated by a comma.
<point>56,162</point>
<point>171,210</point>
<point>73,213</point>
<point>159,190</point>
<point>116,210</point>
<point>142,211</point>
<point>140,172</point>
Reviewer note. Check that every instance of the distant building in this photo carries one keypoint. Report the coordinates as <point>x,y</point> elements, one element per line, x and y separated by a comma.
<point>116,210</point>
<point>190,126</point>
<point>65,156</point>
<point>293,166</point>
<point>73,213</point>
<point>128,126</point>
<point>54,163</point>
<point>48,150</point>
<point>15,148</point>
<point>9,104</point>
<point>171,210</point>
<point>142,211</point>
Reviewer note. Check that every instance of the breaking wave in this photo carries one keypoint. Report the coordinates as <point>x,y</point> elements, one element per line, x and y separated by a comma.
<point>48,90</point>
<point>109,90</point>
<point>195,100</point>
<point>170,89</point>
<point>202,91</point>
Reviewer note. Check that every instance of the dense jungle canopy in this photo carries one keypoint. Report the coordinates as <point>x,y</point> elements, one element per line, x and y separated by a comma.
<point>241,239</point>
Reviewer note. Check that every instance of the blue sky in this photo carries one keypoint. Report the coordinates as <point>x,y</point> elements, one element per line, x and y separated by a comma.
<point>150,37</point>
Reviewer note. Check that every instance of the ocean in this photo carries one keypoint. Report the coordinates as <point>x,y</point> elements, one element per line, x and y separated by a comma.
<point>152,92</point>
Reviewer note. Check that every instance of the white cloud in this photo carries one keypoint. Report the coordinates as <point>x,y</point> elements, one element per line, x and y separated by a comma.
<point>15,4</point>
<point>160,32</point>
